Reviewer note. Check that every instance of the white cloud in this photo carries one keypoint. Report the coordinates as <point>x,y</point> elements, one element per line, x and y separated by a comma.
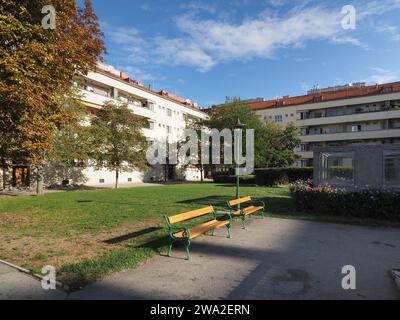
<point>205,43</point>
<point>372,8</point>
<point>223,41</point>
<point>382,76</point>
<point>178,51</point>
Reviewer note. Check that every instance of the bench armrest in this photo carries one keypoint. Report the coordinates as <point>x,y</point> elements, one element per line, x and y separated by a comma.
<point>173,229</point>
<point>223,213</point>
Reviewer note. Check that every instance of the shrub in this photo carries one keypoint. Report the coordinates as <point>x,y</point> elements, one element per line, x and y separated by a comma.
<point>224,178</point>
<point>366,203</point>
<point>275,176</point>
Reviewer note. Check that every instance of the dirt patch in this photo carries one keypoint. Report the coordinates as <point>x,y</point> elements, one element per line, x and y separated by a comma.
<point>34,252</point>
<point>16,220</point>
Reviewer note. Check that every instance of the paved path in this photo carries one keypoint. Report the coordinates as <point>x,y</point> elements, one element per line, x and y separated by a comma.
<point>18,285</point>
<point>272,259</point>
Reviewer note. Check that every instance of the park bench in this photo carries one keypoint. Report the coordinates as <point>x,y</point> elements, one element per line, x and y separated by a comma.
<point>251,207</point>
<point>186,234</point>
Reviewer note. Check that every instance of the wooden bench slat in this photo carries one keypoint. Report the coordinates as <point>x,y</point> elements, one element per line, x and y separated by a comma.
<point>203,228</point>
<point>248,210</point>
<point>190,215</point>
<point>239,201</point>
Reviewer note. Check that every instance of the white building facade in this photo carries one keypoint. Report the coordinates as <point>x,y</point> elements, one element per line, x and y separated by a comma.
<point>338,117</point>
<point>166,113</point>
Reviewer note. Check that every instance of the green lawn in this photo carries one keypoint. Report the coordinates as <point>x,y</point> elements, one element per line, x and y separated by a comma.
<point>87,234</point>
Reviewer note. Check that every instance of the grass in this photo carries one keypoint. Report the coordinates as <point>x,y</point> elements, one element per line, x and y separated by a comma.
<point>88,234</point>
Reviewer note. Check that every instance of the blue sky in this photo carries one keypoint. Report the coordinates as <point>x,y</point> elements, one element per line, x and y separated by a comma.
<point>207,50</point>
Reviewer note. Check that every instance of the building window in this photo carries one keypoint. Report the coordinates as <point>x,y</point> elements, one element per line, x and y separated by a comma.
<point>151,106</point>
<point>151,125</point>
<point>332,113</point>
<point>169,129</point>
<point>356,128</point>
<point>279,119</point>
<point>304,147</point>
<point>169,112</point>
<point>392,167</point>
<point>337,168</point>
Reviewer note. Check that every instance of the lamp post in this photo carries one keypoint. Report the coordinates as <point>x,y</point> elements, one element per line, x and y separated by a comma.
<point>238,126</point>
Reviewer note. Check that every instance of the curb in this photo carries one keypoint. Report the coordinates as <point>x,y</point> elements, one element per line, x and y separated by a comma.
<point>39,277</point>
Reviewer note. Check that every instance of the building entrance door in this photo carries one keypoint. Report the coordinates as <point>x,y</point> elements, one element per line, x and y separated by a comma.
<point>20,177</point>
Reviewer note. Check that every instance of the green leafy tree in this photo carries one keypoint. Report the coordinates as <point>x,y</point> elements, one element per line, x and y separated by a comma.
<point>117,139</point>
<point>37,68</point>
<point>72,145</point>
<point>274,145</point>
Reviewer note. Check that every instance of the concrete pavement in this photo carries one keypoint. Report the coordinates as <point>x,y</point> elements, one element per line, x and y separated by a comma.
<point>272,259</point>
<point>16,285</point>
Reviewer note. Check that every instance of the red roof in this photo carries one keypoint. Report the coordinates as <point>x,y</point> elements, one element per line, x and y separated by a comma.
<point>124,77</point>
<point>327,96</point>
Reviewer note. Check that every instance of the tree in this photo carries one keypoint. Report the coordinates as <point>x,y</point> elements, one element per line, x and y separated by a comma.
<point>198,126</point>
<point>72,143</point>
<point>118,142</point>
<point>37,68</point>
<point>274,145</point>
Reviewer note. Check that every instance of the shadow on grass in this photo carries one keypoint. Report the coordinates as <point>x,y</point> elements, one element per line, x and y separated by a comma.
<point>132,235</point>
<point>274,205</point>
<point>218,201</point>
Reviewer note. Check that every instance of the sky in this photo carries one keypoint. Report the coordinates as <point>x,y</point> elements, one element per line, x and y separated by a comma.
<point>208,50</point>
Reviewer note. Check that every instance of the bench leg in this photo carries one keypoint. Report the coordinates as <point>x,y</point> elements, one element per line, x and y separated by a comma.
<point>170,248</point>
<point>243,222</point>
<point>229,230</point>
<point>187,246</point>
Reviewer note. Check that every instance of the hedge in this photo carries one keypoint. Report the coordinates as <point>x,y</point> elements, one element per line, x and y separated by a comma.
<point>324,200</point>
<point>223,178</point>
<point>274,176</point>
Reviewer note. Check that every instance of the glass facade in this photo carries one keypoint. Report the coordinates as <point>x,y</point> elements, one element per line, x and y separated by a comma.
<point>392,167</point>
<point>337,168</point>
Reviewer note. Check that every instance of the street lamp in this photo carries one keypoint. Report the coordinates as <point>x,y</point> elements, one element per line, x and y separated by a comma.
<point>238,126</point>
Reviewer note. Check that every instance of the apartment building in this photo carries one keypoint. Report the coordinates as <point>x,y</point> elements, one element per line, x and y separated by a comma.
<point>167,115</point>
<point>353,114</point>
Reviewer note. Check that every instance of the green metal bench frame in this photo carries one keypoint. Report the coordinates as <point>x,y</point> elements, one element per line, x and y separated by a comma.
<point>186,230</point>
<point>242,216</point>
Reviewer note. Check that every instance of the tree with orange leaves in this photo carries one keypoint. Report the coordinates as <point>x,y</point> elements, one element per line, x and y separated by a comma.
<point>37,68</point>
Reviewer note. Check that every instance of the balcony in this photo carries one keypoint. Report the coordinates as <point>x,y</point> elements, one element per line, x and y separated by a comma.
<point>98,100</point>
<point>356,117</point>
<point>305,154</point>
<point>94,98</point>
<point>361,135</point>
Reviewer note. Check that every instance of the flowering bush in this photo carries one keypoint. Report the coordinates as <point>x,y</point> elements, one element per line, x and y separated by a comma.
<point>324,199</point>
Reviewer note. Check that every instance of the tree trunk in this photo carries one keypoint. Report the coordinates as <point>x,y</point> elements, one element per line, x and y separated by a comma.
<point>116,178</point>
<point>4,175</point>
<point>201,174</point>
<point>39,180</point>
